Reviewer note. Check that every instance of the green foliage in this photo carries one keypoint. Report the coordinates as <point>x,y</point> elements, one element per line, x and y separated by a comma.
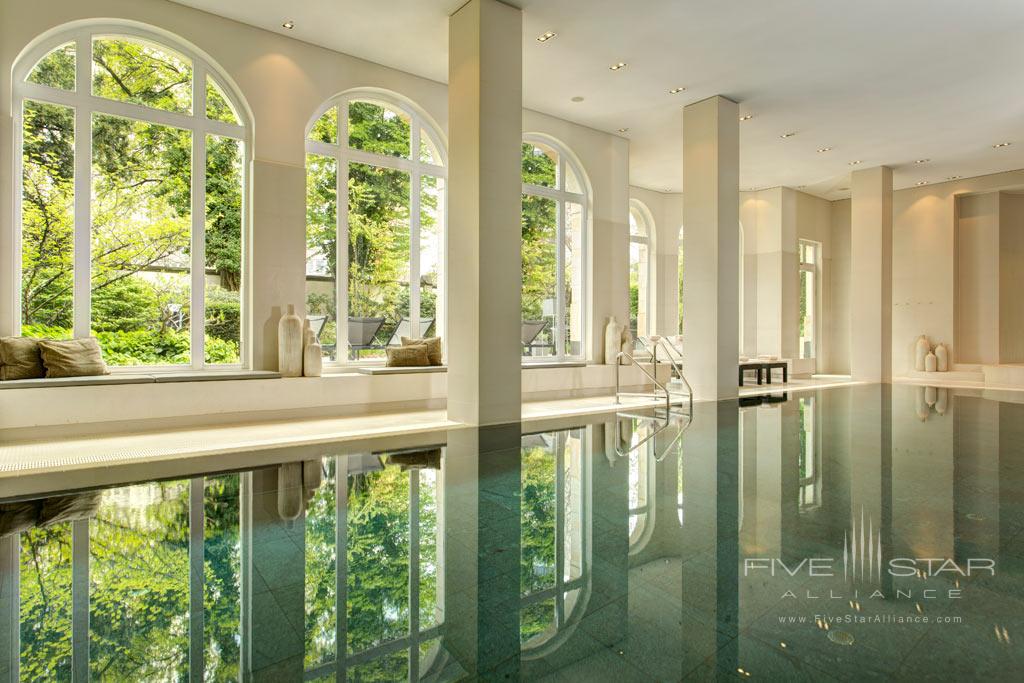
<point>223,314</point>
<point>56,69</point>
<point>537,558</point>
<point>145,347</point>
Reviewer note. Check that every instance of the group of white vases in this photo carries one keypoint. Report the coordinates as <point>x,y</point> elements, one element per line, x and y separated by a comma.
<point>299,352</point>
<point>928,360</point>
<point>617,338</point>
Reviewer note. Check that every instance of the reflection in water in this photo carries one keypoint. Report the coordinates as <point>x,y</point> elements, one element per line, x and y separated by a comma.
<point>589,553</point>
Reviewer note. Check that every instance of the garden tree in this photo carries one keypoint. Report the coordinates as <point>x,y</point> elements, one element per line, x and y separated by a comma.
<point>537,557</point>
<point>539,223</point>
<point>140,205</point>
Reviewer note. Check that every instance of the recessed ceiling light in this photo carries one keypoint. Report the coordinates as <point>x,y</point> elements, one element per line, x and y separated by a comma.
<point>922,182</point>
<point>623,130</point>
<point>954,177</point>
<point>675,91</point>
<point>546,36</point>
<point>1002,144</point>
<point>746,117</point>
<point>617,65</point>
<point>843,189</point>
<point>854,163</point>
<point>825,149</point>
<point>787,135</point>
<point>289,24</point>
<point>578,98</point>
<point>922,161</point>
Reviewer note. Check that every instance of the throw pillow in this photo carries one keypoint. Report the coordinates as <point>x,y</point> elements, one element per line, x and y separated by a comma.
<point>408,356</point>
<point>19,358</point>
<point>433,345</point>
<point>72,358</point>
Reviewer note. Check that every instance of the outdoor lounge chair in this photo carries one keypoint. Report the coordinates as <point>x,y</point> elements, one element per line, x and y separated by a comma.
<point>318,323</point>
<point>361,333</point>
<point>404,329</point>
<point>531,330</point>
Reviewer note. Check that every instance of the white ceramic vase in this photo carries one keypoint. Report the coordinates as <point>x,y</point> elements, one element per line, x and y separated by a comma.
<point>312,353</point>
<point>920,406</point>
<point>930,363</point>
<point>942,358</point>
<point>921,349</point>
<point>289,344</point>
<point>612,340</point>
<point>289,490</point>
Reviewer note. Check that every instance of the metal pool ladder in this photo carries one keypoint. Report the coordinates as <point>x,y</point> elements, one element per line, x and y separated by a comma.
<point>661,391</point>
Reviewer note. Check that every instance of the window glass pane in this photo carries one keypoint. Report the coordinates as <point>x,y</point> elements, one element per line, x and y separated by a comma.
<point>572,506</point>
<point>431,252</point>
<point>540,165</point>
<point>378,252</point>
<point>217,106</point>
<point>536,619</point>
<point>429,153</point>
<point>389,667</point>
<point>537,558</point>
<point>635,229</point>
<point>430,539</point>
<point>139,583</point>
<point>321,556</point>
<point>56,69</point>
<point>132,70</point>
<point>639,268</point>
<point>45,595</point>
<point>321,250</point>
<point>379,129</point>
<point>378,555</point>
<point>222,555</point>
<point>574,266</point>
<point>540,275</point>
<point>47,220</point>
<point>679,280</point>
<point>141,227</point>
<point>223,249</point>
<point>326,127</point>
<point>807,305</point>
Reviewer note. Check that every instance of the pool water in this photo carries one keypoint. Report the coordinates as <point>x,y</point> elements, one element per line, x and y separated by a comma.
<point>848,533</point>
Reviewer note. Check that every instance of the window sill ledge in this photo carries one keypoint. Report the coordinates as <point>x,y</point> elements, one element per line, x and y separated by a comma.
<point>132,378</point>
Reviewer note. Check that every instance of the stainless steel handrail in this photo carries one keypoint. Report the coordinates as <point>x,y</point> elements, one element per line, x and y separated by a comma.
<point>654,380</point>
<point>653,435</point>
<point>677,367</point>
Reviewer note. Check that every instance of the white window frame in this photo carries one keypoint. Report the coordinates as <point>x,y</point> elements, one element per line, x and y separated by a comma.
<point>645,226</point>
<point>85,104</point>
<point>342,155</point>
<point>562,198</point>
<point>815,270</point>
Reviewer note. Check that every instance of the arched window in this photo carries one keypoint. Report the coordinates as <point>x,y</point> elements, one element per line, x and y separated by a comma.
<point>375,174</point>
<point>554,252</point>
<point>641,230</point>
<point>679,280</point>
<point>130,186</point>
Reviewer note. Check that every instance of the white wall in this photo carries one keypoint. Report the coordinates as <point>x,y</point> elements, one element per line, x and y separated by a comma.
<point>839,301</point>
<point>977,282</point>
<point>284,81</point>
<point>667,211</point>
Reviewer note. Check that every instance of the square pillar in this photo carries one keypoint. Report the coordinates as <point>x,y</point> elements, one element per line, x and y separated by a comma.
<point>711,162</point>
<point>871,275</point>
<point>485,203</point>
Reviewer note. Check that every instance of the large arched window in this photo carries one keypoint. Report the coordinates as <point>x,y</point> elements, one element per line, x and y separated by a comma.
<point>131,169</point>
<point>641,231</point>
<point>375,173</point>
<point>554,252</point>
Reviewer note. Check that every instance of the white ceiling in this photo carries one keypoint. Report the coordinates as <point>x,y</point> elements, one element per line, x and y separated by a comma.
<point>880,81</point>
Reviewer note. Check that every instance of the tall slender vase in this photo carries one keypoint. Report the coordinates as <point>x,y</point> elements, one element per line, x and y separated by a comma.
<point>921,350</point>
<point>312,353</point>
<point>942,358</point>
<point>289,344</point>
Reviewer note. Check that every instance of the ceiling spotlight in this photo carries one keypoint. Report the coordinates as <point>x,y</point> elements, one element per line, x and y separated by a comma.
<point>1001,144</point>
<point>787,135</point>
<point>843,189</point>
<point>578,98</point>
<point>676,91</point>
<point>922,161</point>
<point>289,24</point>
<point>546,36</point>
<point>922,182</point>
<point>623,130</point>
<point>954,177</point>
<point>825,149</point>
<point>746,117</point>
<point>854,163</point>
<point>617,65</point>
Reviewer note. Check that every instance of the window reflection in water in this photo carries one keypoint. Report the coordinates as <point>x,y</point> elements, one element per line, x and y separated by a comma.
<point>809,458</point>
<point>386,511</point>
<point>555,545</point>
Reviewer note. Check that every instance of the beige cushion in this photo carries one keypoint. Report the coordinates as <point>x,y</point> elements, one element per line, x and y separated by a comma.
<point>433,345</point>
<point>412,356</point>
<point>19,358</point>
<point>72,358</point>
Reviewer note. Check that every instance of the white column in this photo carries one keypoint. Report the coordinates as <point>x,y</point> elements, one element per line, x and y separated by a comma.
<point>711,246</point>
<point>871,275</point>
<point>484,271</point>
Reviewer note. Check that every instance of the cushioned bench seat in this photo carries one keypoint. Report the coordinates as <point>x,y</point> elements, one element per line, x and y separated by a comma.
<point>132,378</point>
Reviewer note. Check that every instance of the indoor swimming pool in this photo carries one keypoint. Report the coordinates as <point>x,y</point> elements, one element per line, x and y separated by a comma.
<point>857,532</point>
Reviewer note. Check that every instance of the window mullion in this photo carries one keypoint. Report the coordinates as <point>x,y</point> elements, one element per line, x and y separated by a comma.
<point>415,183</point>
<point>80,600</point>
<point>82,289</point>
<point>341,257</point>
<point>197,314</point>
<point>559,327</point>
<point>341,568</point>
<point>196,579</point>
